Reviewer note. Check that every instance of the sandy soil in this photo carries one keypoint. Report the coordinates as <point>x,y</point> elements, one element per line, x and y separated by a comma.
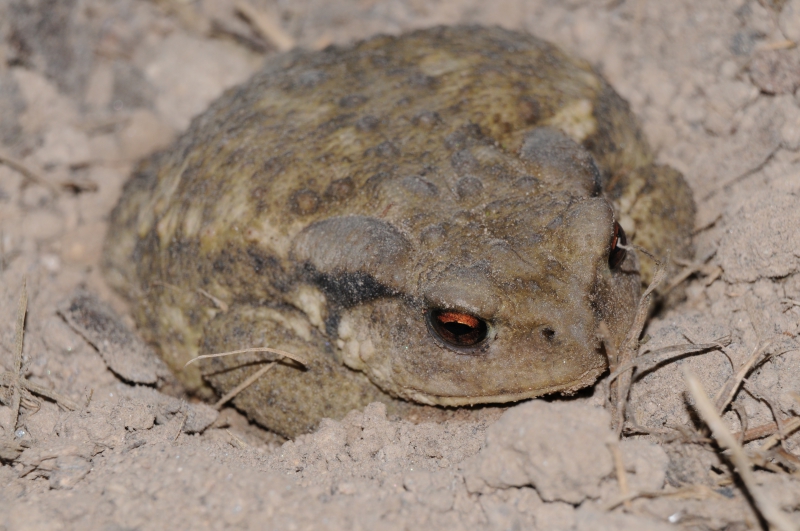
<point>89,86</point>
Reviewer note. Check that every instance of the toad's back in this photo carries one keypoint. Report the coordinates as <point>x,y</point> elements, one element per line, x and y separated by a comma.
<point>431,217</point>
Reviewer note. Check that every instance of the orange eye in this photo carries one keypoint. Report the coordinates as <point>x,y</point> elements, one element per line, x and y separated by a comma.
<point>456,328</point>
<point>617,254</point>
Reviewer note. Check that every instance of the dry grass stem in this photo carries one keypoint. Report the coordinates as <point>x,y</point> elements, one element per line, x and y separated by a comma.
<point>265,25</point>
<point>777,45</point>
<point>708,412</point>
<point>759,432</point>
<point>183,421</point>
<point>790,303</point>
<point>28,173</point>
<point>253,377</point>
<point>651,359</point>
<point>243,385</point>
<point>731,387</point>
<point>622,478</point>
<point>788,427</point>
<point>19,338</point>
<point>239,442</point>
<point>741,412</point>
<point>217,302</point>
<point>629,348</point>
<point>690,492</point>
<point>21,391</point>
<point>707,225</point>
<point>712,272</point>
<point>295,357</point>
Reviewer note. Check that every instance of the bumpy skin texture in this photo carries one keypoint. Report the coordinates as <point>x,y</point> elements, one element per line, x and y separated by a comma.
<point>333,201</point>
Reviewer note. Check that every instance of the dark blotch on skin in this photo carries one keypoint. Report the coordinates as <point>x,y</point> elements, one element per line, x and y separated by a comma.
<point>529,110</point>
<point>420,186</point>
<point>468,186</point>
<point>384,149</point>
<point>260,262</point>
<point>463,161</point>
<point>348,289</point>
<point>367,123</point>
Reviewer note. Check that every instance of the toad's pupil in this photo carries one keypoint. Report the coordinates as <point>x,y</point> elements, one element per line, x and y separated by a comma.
<point>458,329</point>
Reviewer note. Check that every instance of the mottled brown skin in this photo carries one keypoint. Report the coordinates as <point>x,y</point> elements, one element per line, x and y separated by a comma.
<point>336,199</point>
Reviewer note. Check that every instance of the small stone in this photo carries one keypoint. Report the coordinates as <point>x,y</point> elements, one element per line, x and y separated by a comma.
<point>64,145</point>
<point>135,415</point>
<point>69,470</point>
<point>50,262</point>
<point>199,417</point>
<point>789,20</point>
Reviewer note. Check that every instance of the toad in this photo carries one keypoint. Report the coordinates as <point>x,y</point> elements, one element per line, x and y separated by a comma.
<point>437,218</point>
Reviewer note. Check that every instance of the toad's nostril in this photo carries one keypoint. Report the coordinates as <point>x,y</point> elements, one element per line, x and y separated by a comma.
<point>548,333</point>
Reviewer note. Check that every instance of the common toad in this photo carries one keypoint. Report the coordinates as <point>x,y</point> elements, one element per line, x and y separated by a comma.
<point>438,217</point>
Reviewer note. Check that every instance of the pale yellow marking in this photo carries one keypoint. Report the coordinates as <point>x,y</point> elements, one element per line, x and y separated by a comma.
<point>576,120</point>
<point>192,222</point>
<point>366,350</point>
<point>311,301</point>
<point>439,63</point>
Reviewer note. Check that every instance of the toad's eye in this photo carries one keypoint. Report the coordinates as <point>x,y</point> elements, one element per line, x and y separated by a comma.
<point>456,328</point>
<point>617,254</point>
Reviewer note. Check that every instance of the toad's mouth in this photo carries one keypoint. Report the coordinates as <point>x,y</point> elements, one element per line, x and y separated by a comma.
<point>584,380</point>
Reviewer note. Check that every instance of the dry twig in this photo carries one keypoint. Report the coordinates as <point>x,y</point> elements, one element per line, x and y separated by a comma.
<point>789,427</point>
<point>698,492</point>
<point>731,387</point>
<point>710,271</point>
<point>19,388</point>
<point>629,348</point>
<point>219,303</point>
<point>265,25</point>
<point>247,382</point>
<point>243,385</point>
<point>622,478</point>
<point>282,353</point>
<point>28,173</point>
<point>239,442</point>
<point>708,412</point>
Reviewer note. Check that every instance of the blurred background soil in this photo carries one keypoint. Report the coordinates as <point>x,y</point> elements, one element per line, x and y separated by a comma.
<point>87,87</point>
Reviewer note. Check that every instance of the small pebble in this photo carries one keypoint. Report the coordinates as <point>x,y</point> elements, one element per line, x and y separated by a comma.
<point>789,20</point>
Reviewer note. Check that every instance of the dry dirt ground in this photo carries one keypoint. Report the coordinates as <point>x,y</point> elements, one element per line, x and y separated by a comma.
<point>89,86</point>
